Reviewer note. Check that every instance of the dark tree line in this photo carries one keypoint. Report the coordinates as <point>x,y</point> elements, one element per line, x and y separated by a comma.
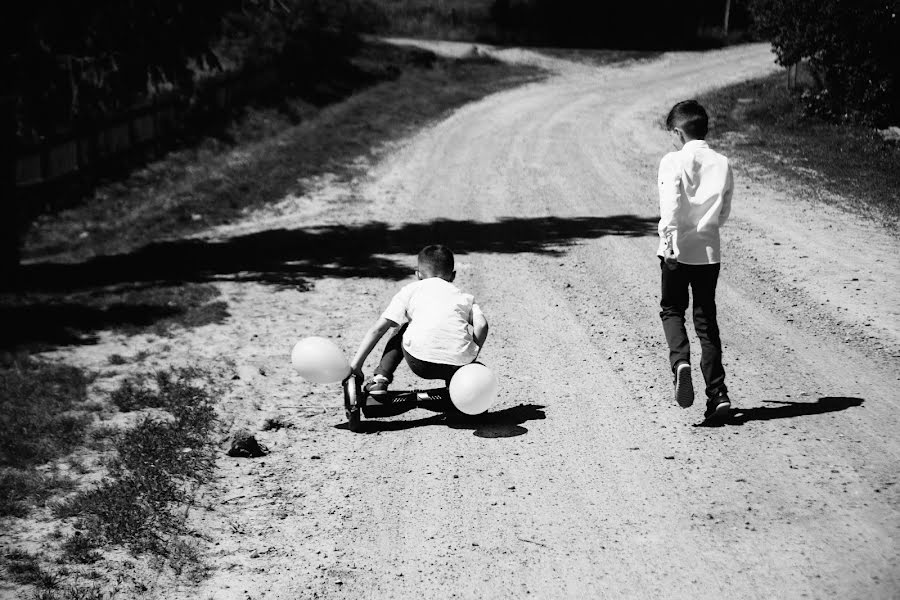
<point>653,24</point>
<point>73,62</point>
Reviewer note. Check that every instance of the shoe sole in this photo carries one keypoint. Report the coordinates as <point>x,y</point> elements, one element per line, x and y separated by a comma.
<point>684,387</point>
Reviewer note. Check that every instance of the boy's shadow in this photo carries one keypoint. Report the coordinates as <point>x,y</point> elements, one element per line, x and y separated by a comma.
<point>786,410</point>
<point>500,424</point>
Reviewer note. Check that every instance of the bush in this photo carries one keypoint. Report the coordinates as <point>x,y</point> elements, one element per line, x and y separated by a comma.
<point>853,47</point>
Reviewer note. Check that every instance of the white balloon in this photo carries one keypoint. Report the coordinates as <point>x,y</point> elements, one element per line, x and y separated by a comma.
<point>319,360</point>
<point>473,389</point>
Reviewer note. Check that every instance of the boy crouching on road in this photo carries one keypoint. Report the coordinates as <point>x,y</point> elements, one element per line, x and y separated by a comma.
<point>695,190</point>
<point>440,327</point>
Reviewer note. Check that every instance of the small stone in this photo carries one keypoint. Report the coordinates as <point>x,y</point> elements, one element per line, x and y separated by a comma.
<point>244,445</point>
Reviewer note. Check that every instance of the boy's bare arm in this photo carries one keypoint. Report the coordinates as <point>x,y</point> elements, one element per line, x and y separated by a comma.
<point>479,329</point>
<point>375,333</point>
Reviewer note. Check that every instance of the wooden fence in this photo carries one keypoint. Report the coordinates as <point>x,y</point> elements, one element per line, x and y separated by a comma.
<point>151,127</point>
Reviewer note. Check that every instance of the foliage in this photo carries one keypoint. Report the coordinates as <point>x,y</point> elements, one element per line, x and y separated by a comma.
<point>852,45</point>
<point>69,63</point>
<point>653,24</point>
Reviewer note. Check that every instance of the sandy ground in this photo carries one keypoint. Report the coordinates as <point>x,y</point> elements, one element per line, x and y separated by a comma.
<point>586,480</point>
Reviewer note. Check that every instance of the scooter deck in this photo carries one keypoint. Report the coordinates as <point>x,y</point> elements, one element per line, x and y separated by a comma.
<point>394,402</point>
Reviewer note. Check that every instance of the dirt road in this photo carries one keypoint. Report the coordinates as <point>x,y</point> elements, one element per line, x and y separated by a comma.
<point>586,480</point>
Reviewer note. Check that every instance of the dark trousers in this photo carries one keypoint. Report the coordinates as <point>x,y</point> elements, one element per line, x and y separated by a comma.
<point>394,353</point>
<point>702,281</point>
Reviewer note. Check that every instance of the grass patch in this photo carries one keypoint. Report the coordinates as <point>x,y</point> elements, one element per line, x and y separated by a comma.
<point>42,417</point>
<point>25,568</point>
<point>158,464</point>
<point>219,180</point>
<point>763,122</point>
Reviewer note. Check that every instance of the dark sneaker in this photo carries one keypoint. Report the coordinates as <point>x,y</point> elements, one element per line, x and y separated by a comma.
<point>377,385</point>
<point>684,387</point>
<point>718,406</point>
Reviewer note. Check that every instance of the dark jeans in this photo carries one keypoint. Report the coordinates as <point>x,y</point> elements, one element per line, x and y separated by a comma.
<point>702,281</point>
<point>394,353</point>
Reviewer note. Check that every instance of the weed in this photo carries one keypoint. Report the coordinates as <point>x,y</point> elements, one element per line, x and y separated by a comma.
<point>25,568</point>
<point>80,548</point>
<point>157,465</point>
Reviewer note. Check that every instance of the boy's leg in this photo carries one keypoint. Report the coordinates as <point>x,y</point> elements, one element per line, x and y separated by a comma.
<point>392,356</point>
<point>428,370</point>
<point>674,303</point>
<point>703,286</point>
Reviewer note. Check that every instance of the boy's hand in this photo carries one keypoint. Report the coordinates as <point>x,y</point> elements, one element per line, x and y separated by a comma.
<point>671,260</point>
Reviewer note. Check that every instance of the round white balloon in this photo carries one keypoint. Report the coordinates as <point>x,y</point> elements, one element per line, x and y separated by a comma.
<point>473,389</point>
<point>319,360</point>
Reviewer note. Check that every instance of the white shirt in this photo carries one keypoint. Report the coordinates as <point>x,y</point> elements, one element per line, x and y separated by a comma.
<point>440,318</point>
<point>695,189</point>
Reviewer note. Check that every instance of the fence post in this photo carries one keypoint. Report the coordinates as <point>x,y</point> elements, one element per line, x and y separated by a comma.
<point>10,209</point>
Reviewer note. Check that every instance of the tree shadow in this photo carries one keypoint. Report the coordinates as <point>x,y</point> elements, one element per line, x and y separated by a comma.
<point>42,321</point>
<point>500,424</point>
<point>785,410</point>
<point>286,257</point>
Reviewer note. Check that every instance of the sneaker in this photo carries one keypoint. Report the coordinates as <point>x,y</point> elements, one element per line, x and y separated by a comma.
<point>684,387</point>
<point>718,406</point>
<point>377,385</point>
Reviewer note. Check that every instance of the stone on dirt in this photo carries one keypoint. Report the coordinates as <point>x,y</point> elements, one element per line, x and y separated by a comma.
<point>244,445</point>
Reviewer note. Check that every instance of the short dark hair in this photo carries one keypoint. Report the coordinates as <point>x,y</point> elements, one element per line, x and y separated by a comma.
<point>690,117</point>
<point>436,260</point>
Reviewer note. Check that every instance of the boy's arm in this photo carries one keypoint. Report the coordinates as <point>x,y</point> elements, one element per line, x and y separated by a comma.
<point>375,333</point>
<point>669,190</point>
<point>726,197</point>
<point>479,329</point>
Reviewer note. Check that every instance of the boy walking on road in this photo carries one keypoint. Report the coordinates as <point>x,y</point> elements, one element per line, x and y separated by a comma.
<point>695,189</point>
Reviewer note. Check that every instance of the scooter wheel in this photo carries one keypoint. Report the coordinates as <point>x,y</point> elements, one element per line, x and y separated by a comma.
<point>354,420</point>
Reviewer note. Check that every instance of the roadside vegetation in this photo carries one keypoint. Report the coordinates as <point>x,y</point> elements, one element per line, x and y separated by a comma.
<point>262,155</point>
<point>151,472</point>
<point>766,123</point>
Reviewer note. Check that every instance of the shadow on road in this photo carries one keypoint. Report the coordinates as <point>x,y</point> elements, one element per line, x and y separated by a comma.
<point>286,257</point>
<point>784,410</point>
<point>500,424</point>
<point>65,303</point>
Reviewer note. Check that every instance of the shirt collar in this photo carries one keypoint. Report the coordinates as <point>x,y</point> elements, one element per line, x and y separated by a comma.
<point>695,144</point>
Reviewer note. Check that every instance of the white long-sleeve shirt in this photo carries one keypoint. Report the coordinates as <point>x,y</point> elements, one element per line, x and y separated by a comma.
<point>695,189</point>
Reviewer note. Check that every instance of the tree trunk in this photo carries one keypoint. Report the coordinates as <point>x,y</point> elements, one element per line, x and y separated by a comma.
<point>727,16</point>
<point>10,211</point>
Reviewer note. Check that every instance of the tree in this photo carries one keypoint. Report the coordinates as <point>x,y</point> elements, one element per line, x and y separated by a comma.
<point>853,47</point>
